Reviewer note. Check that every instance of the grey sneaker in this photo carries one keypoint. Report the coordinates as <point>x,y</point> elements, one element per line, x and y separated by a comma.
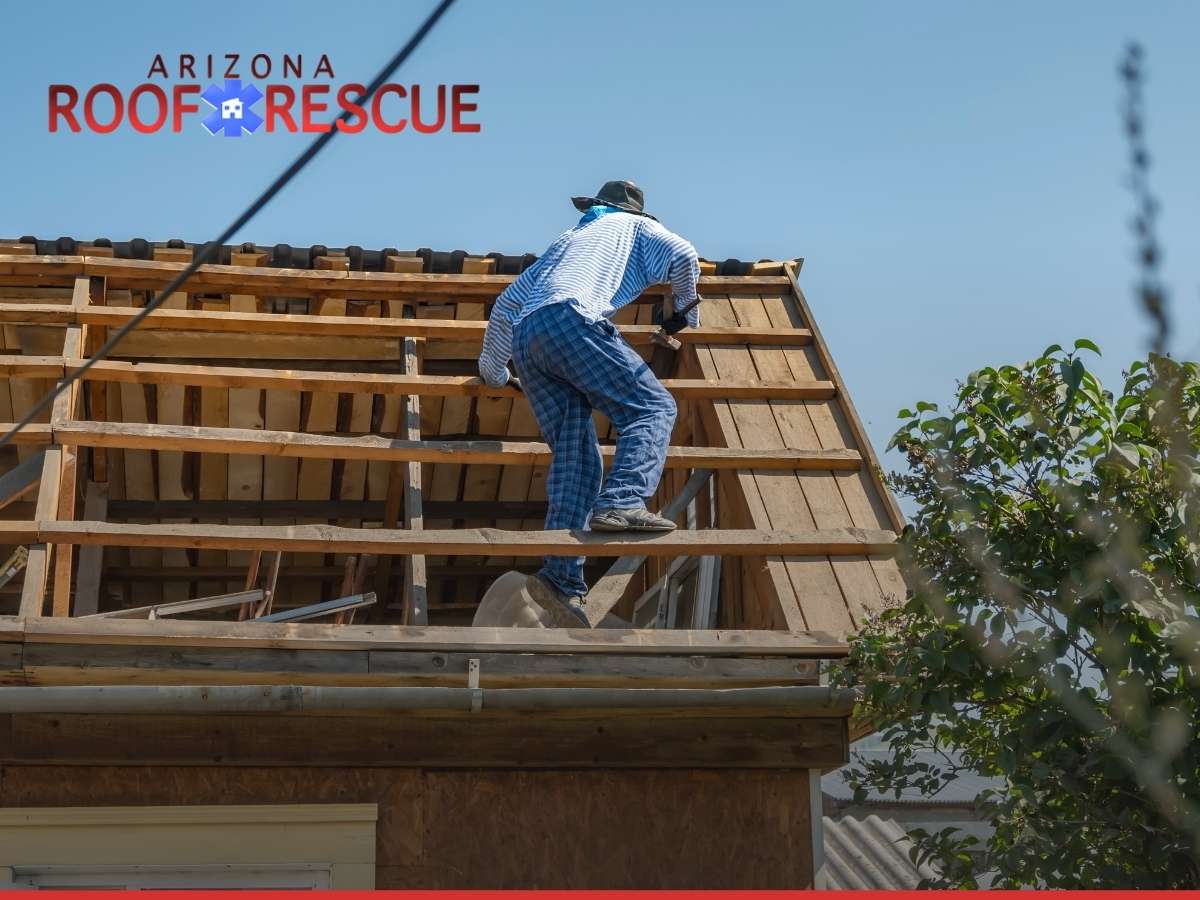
<point>640,519</point>
<point>564,611</point>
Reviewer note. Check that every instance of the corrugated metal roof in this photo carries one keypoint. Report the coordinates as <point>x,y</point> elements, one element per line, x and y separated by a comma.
<point>869,854</point>
<point>962,791</point>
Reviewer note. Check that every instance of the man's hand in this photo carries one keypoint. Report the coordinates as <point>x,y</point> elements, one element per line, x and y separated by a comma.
<point>676,323</point>
<point>514,381</point>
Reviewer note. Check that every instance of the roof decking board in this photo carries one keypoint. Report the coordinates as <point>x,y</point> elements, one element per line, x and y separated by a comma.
<point>781,504</point>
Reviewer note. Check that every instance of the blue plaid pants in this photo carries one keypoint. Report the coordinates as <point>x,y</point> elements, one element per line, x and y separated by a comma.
<point>568,368</point>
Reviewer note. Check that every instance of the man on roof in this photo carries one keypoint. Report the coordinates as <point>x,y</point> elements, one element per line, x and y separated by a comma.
<point>553,323</point>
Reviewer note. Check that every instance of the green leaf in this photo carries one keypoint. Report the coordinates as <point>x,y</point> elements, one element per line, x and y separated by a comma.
<point>1085,344</point>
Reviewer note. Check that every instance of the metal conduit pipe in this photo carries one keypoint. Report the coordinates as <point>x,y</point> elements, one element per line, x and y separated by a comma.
<point>145,699</point>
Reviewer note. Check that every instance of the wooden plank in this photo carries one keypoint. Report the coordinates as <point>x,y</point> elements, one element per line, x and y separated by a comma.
<point>195,329</point>
<point>415,595</point>
<point>91,663</point>
<point>373,447</point>
<point>37,567</point>
<point>483,541</point>
<point>316,475</point>
<point>815,424</point>
<point>752,425</point>
<point>91,559</point>
<point>485,415</point>
<point>67,407</point>
<point>97,394</point>
<point>246,409</point>
<point>137,467</point>
<point>825,505</point>
<point>629,642</point>
<point>146,274</point>
<point>449,386</point>
<point>844,402</point>
<point>169,410</point>
<point>35,433</point>
<point>466,741</point>
<point>213,476</point>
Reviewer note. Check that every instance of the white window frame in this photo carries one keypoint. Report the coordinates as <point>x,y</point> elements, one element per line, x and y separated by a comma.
<point>293,845</point>
<point>659,606</point>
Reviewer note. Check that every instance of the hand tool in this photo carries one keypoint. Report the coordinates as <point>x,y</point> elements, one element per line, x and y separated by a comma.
<point>675,324</point>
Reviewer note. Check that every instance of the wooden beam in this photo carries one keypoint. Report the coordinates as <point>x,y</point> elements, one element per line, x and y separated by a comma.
<point>770,740</point>
<point>482,541</point>
<point>291,573</point>
<point>372,383</point>
<point>415,287</point>
<point>377,383</point>
<point>367,510</point>
<point>37,569</point>
<point>91,559</point>
<point>213,322</point>
<point>415,596</point>
<point>33,433</point>
<point>609,590</point>
<point>66,408</point>
<point>626,642</point>
<point>257,442</point>
<point>21,480</point>
<point>85,661</point>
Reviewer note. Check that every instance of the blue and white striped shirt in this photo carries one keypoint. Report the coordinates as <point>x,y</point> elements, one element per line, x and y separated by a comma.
<point>600,265</point>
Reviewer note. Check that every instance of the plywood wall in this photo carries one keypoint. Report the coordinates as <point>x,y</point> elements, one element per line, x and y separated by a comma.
<point>503,829</point>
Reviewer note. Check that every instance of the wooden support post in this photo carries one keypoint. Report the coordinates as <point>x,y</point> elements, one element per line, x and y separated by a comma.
<point>268,600</point>
<point>87,581</point>
<point>251,581</point>
<point>66,408</point>
<point>213,482</point>
<point>415,596</point>
<point>245,410</point>
<point>169,402</point>
<point>33,591</point>
<point>609,590</point>
<point>132,475</point>
<point>316,475</point>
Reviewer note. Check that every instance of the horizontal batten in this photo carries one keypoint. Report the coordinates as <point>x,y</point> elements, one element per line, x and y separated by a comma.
<point>377,383</point>
<point>257,442</point>
<point>264,281</point>
<point>216,322</point>
<point>477,541</point>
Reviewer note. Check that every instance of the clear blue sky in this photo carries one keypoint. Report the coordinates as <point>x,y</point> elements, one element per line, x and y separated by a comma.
<point>952,172</point>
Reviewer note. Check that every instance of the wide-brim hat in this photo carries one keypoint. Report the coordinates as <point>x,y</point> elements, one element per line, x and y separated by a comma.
<point>622,195</point>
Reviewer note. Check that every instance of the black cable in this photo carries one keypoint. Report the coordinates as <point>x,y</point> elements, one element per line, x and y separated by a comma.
<point>209,249</point>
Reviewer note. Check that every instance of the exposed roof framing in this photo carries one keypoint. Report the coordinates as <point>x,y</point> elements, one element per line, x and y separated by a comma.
<point>264,409</point>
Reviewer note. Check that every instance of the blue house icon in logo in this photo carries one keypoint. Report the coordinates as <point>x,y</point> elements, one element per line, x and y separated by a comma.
<point>232,115</point>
